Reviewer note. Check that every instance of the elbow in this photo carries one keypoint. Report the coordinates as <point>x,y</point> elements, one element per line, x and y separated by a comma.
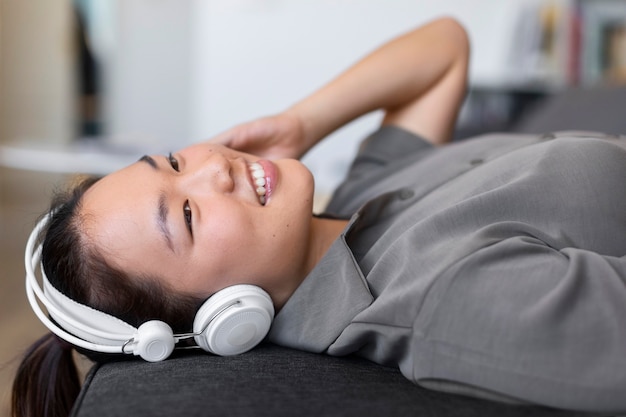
<point>454,31</point>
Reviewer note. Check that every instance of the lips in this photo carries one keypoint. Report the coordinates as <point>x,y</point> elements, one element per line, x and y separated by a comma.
<point>258,181</point>
<point>262,176</point>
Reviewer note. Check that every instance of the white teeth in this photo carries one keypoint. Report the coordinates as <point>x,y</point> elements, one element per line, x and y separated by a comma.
<point>258,175</point>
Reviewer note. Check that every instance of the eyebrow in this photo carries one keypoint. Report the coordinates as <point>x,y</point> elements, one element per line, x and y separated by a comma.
<point>163,211</point>
<point>162,221</point>
<point>149,160</point>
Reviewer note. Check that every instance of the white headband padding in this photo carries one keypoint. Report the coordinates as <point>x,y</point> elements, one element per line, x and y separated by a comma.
<point>104,328</point>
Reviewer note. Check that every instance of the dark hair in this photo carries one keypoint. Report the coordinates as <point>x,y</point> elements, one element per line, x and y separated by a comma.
<point>46,383</point>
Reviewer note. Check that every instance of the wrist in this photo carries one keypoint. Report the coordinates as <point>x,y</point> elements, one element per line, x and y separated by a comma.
<point>306,125</point>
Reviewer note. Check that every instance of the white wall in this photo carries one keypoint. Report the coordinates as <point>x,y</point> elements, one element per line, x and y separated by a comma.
<point>148,94</point>
<point>182,71</point>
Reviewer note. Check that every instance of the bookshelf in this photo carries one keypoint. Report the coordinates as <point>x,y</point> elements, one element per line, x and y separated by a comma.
<point>556,45</point>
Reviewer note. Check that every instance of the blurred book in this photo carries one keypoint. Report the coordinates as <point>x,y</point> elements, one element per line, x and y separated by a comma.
<point>603,41</point>
<point>570,42</point>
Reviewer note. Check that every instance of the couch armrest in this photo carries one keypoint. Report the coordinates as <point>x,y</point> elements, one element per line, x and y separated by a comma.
<point>271,381</point>
<point>599,108</point>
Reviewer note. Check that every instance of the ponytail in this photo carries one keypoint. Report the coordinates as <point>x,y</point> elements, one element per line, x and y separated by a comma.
<point>46,383</point>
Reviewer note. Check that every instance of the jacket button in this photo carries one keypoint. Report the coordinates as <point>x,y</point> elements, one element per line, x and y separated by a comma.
<point>477,161</point>
<point>406,193</point>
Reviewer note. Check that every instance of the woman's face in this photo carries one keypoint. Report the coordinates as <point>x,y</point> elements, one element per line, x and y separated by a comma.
<point>197,221</point>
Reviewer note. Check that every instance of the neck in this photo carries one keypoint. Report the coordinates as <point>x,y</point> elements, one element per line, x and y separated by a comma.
<point>323,233</point>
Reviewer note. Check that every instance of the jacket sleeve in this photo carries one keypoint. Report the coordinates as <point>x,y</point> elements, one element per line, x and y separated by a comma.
<point>535,322</point>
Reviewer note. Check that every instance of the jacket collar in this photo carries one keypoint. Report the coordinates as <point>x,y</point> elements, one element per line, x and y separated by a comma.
<point>325,303</point>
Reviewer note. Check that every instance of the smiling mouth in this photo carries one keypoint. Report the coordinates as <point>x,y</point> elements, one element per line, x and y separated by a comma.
<point>258,179</point>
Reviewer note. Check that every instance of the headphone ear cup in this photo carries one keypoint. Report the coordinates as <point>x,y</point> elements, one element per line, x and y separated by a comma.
<point>155,341</point>
<point>234,320</point>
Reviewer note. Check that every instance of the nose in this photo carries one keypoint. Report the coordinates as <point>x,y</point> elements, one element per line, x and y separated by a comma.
<point>214,173</point>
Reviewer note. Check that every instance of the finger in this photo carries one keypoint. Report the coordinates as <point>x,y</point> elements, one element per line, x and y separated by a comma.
<point>224,138</point>
<point>236,137</point>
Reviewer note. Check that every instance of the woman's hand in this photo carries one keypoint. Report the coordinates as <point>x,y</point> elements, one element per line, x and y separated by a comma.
<point>278,136</point>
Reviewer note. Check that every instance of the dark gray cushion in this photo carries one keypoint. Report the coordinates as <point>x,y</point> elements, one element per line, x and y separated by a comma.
<point>600,109</point>
<point>272,381</point>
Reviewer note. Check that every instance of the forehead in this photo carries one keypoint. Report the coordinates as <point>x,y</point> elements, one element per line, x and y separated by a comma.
<point>113,192</point>
<point>118,209</point>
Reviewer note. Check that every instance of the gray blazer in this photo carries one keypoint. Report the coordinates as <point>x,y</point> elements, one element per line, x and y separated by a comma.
<point>491,267</point>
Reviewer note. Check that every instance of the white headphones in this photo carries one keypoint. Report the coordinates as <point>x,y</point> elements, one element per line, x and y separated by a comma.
<point>232,321</point>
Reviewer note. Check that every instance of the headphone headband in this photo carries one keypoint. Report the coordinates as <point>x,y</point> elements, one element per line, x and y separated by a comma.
<point>73,316</point>
<point>231,322</point>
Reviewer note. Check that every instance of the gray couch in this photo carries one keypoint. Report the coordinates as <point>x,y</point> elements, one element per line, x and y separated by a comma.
<point>272,381</point>
<point>275,381</point>
<point>601,109</point>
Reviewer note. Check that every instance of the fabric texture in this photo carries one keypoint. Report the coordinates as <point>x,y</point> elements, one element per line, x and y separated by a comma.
<point>491,267</point>
<point>272,381</point>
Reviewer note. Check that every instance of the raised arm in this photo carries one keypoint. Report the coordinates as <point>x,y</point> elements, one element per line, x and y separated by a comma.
<point>418,79</point>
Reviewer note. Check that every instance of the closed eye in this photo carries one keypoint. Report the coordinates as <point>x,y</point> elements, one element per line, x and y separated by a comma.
<point>173,162</point>
<point>188,218</point>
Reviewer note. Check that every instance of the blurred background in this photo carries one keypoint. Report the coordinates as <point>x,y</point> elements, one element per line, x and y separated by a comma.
<point>87,86</point>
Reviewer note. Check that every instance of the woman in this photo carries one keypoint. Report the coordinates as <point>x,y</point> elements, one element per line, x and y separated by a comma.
<point>489,267</point>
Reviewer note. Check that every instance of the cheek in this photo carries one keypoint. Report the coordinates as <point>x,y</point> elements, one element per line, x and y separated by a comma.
<point>227,236</point>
